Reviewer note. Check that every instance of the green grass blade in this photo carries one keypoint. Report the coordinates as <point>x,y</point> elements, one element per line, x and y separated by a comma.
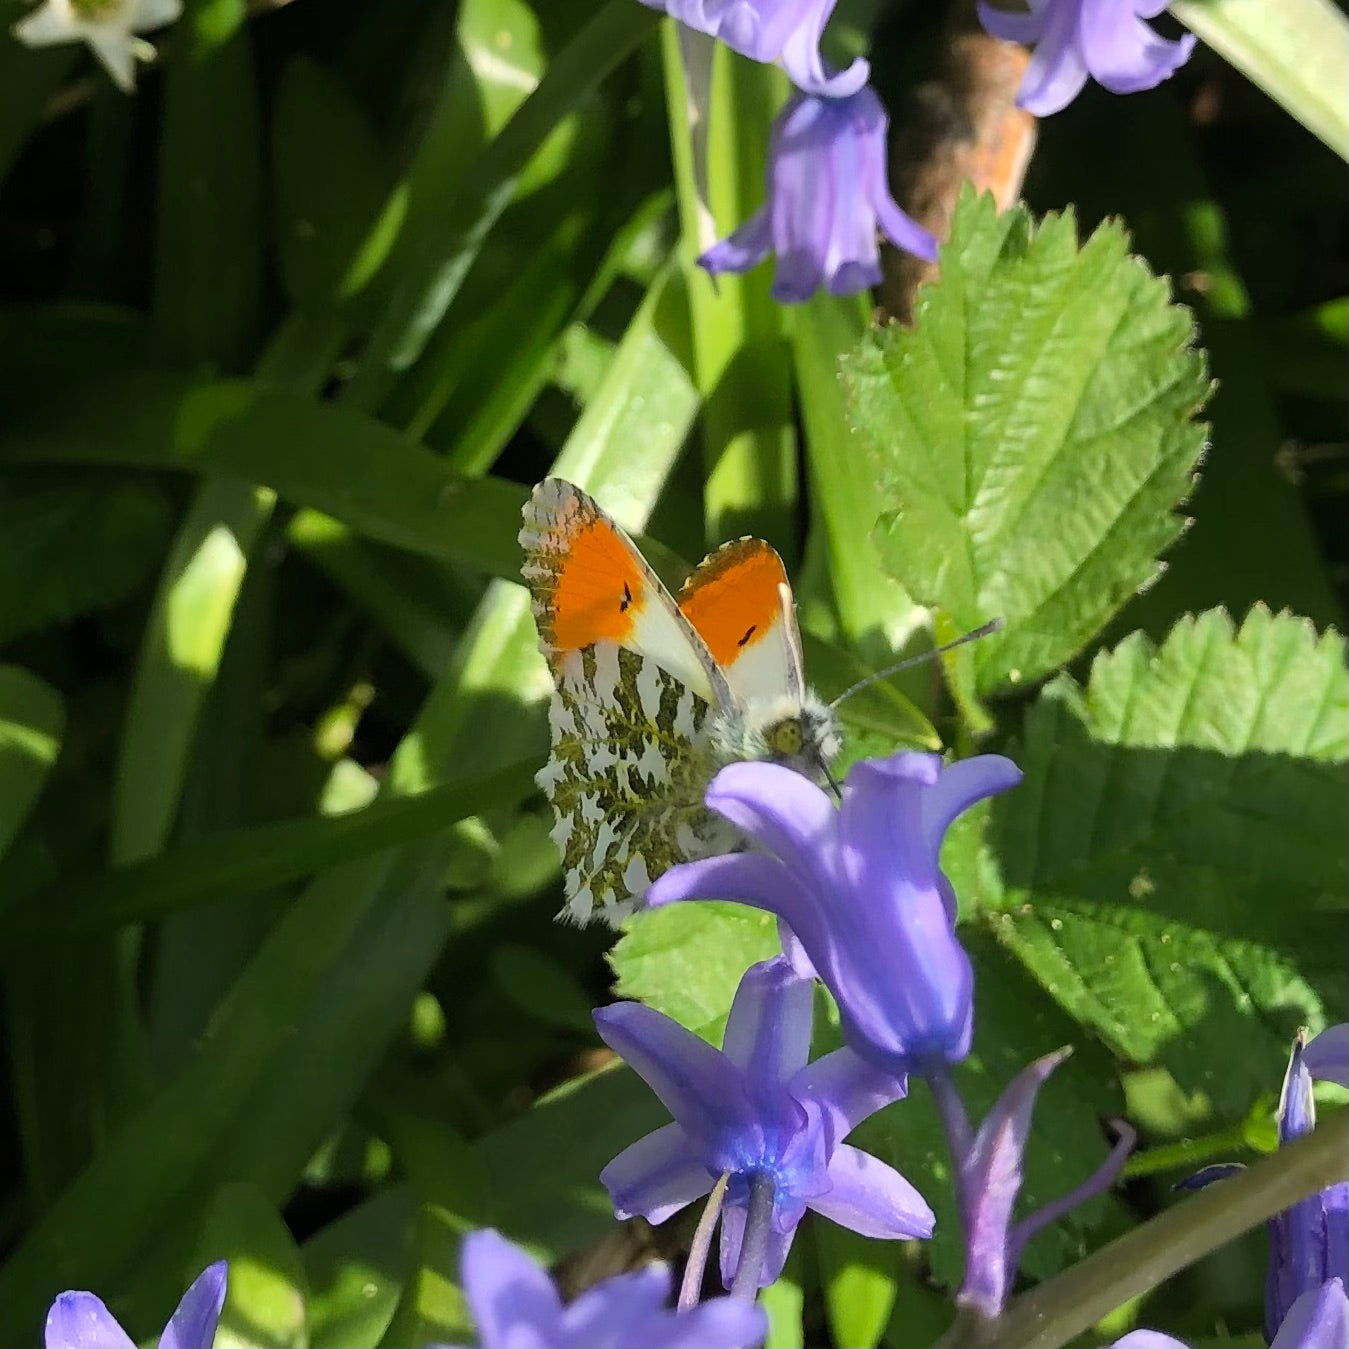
<point>312,454</point>
<point>432,277</point>
<point>244,861</point>
<point>180,652</point>
<point>32,720</point>
<point>1296,51</point>
<point>740,354</point>
<point>210,225</point>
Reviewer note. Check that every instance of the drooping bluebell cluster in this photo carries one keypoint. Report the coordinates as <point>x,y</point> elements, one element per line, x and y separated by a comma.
<point>827,191</point>
<point>827,188</point>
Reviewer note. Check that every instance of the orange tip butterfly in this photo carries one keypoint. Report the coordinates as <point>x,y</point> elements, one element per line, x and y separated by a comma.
<point>654,694</point>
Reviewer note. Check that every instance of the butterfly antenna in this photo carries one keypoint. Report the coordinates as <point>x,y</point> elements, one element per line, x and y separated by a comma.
<point>984,630</point>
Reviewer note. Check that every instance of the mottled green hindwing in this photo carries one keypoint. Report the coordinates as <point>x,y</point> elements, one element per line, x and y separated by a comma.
<point>632,757</point>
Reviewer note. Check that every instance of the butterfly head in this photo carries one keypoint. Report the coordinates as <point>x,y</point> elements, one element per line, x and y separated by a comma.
<point>799,732</point>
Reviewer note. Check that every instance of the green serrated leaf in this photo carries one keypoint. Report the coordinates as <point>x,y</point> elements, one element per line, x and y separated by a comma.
<point>1173,861</point>
<point>1032,435</point>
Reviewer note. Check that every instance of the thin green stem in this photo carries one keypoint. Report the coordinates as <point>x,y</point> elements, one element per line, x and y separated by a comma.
<point>1065,1306</point>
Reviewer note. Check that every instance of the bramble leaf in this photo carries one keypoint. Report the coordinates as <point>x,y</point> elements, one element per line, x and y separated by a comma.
<point>1031,435</point>
<point>1174,860</point>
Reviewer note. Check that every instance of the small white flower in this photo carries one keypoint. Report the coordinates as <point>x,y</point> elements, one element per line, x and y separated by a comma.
<point>108,26</point>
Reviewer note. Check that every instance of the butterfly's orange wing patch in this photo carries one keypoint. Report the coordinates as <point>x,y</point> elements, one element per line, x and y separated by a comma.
<point>588,582</point>
<point>599,589</point>
<point>733,598</point>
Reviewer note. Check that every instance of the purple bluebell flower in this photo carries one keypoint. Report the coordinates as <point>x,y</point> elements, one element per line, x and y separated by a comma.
<point>1105,40</point>
<point>1317,1320</point>
<point>516,1306</point>
<point>827,195</point>
<point>786,31</point>
<point>1308,1243</point>
<point>79,1320</point>
<point>757,1109</point>
<point>989,1176</point>
<point>1327,1056</point>
<point>861,890</point>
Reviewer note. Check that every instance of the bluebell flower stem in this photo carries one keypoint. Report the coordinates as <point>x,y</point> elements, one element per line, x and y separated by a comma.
<point>1072,1302</point>
<point>1100,1180</point>
<point>754,1245</point>
<point>692,1283</point>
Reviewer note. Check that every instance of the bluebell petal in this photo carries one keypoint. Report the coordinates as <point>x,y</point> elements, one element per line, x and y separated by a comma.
<point>768,1031</point>
<point>1297,1106</point>
<point>1327,1056</point>
<point>656,1176</point>
<point>847,1090</point>
<point>807,69</point>
<point>1057,69</point>
<point>1319,1319</point>
<point>961,785</point>
<point>902,924</point>
<point>732,1233</point>
<point>873,1199</point>
<point>618,1311</point>
<point>782,811</point>
<point>746,248</point>
<point>1122,52</point>
<point>1148,1339</point>
<point>193,1323</point>
<point>79,1320</point>
<point>721,1323</point>
<point>748,878</point>
<point>513,1301</point>
<point>1024,28</point>
<point>990,1180</point>
<point>1209,1175</point>
<point>697,1084</point>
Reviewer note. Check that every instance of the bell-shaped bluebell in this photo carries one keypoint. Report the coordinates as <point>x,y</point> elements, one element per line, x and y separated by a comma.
<point>516,1306</point>
<point>80,1320</point>
<point>1308,1243</point>
<point>828,195</point>
<point>861,890</point>
<point>1105,40</point>
<point>1327,1056</point>
<point>756,1108</point>
<point>785,31</point>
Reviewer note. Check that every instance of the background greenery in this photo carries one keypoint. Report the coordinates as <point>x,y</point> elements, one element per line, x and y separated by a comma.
<point>284,340</point>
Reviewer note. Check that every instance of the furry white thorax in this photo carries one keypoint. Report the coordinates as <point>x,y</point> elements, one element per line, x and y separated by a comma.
<point>754,732</point>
